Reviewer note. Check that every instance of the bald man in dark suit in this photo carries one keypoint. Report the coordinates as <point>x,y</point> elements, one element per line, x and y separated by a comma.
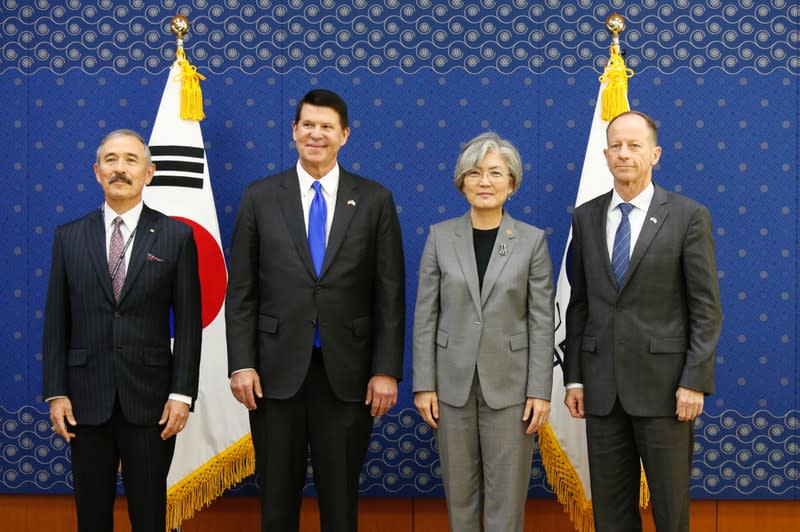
<point>643,324</point>
<point>118,393</point>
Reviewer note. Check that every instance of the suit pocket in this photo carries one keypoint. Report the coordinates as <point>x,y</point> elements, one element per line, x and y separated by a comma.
<point>267,324</point>
<point>361,326</point>
<point>674,344</point>
<point>77,357</point>
<point>519,341</point>
<point>589,343</point>
<point>441,338</point>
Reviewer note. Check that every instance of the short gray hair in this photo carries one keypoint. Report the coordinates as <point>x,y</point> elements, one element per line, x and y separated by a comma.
<point>476,149</point>
<point>125,133</point>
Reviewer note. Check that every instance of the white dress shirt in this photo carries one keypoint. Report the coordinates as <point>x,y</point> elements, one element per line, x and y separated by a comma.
<point>641,203</point>
<point>129,222</point>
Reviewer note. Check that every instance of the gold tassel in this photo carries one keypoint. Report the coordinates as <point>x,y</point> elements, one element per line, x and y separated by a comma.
<point>191,95</point>
<point>565,481</point>
<point>567,484</point>
<point>644,491</point>
<point>209,481</point>
<point>615,93</point>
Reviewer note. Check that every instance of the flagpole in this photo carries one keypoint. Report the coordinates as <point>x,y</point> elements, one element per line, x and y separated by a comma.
<point>214,452</point>
<point>562,442</point>
<point>179,25</point>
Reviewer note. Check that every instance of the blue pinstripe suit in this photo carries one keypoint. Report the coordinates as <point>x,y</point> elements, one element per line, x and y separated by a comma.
<point>113,360</point>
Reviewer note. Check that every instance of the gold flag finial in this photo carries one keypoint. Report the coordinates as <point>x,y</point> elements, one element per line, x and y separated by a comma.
<point>615,76</point>
<point>191,95</point>
<point>180,27</point>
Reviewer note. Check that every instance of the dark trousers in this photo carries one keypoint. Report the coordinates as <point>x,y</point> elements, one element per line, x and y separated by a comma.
<point>97,451</point>
<point>616,443</point>
<point>338,434</point>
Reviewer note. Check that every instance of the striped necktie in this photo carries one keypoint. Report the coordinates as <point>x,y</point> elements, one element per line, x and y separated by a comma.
<point>621,255</point>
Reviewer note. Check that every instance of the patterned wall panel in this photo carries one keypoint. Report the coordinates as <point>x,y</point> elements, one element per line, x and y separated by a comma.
<point>422,77</point>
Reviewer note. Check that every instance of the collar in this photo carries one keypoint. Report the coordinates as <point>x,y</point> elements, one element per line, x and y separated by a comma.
<point>329,182</point>
<point>130,218</point>
<point>641,201</point>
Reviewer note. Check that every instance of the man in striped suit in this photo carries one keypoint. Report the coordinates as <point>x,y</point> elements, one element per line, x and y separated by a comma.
<point>117,391</point>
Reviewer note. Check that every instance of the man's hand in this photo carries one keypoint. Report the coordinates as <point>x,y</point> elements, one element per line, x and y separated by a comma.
<point>174,417</point>
<point>688,404</point>
<point>381,394</point>
<point>537,410</point>
<point>427,404</point>
<point>574,401</point>
<point>60,409</point>
<point>245,387</point>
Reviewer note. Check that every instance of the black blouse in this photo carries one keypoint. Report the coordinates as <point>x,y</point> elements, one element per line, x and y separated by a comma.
<point>483,240</point>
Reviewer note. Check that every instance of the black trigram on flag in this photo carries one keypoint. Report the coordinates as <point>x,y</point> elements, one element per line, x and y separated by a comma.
<point>178,166</point>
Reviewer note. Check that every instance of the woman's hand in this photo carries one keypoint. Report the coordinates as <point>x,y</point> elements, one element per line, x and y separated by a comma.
<point>427,404</point>
<point>537,410</point>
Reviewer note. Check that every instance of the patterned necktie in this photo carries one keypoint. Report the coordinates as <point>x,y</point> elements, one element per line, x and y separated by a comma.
<point>317,216</point>
<point>115,256</point>
<point>621,255</point>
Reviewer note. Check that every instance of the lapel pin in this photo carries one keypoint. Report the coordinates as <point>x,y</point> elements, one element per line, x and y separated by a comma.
<point>509,232</point>
<point>352,203</point>
<point>503,249</point>
<point>152,230</point>
<point>653,219</point>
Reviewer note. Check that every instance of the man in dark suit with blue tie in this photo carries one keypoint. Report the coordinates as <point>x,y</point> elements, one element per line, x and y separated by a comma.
<point>643,323</point>
<point>118,392</point>
<point>315,319</point>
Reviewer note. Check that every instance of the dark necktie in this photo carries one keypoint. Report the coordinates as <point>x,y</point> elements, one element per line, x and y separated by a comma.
<point>621,255</point>
<point>317,216</point>
<point>116,259</point>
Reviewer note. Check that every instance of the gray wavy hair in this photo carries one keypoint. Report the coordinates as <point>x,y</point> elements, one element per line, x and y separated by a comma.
<point>476,149</point>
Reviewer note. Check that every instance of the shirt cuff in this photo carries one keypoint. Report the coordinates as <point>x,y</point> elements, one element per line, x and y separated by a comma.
<point>54,397</point>
<point>182,398</point>
<point>571,385</point>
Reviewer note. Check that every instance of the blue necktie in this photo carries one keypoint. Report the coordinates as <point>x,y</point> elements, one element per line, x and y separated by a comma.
<point>621,255</point>
<point>317,216</point>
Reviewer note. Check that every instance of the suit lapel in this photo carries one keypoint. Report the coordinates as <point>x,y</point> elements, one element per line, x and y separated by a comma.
<point>347,200</point>
<point>506,236</point>
<point>598,236</point>
<point>465,254</point>
<point>98,255</point>
<point>654,220</point>
<point>146,233</point>
<point>292,210</point>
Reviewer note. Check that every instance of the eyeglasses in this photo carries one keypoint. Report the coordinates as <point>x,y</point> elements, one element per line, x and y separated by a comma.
<point>476,176</point>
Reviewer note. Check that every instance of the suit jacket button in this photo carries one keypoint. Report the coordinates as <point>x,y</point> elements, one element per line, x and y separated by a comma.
<point>619,308</point>
<point>117,314</point>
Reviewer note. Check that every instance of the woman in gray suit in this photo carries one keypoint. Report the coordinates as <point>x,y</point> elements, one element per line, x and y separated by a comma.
<point>483,342</point>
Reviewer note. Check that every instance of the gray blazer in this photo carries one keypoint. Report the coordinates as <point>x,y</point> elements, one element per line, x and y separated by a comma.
<point>505,330</point>
<point>660,329</point>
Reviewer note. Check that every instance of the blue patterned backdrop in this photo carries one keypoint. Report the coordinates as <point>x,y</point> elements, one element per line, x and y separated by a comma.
<point>421,77</point>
